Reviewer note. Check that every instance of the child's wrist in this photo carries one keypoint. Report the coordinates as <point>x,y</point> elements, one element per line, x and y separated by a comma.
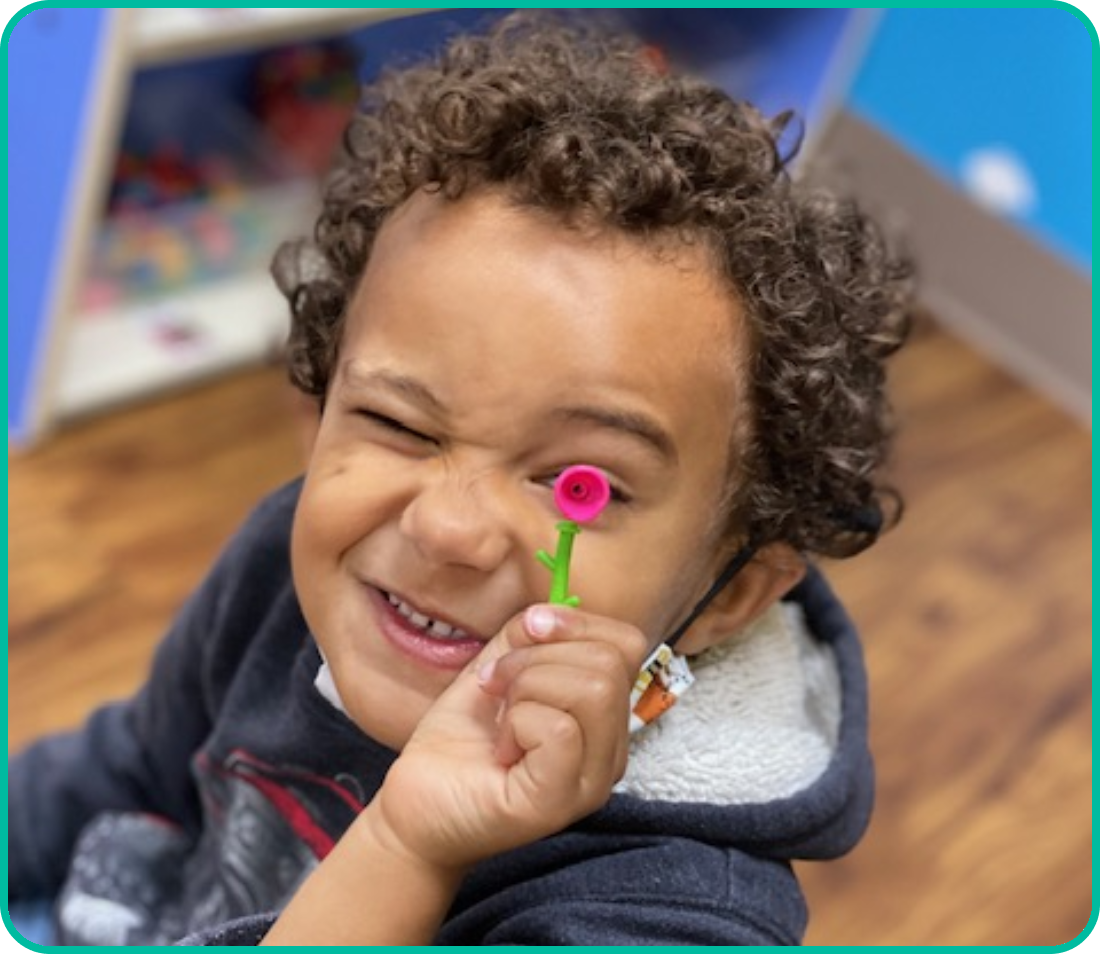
<point>370,890</point>
<point>374,833</point>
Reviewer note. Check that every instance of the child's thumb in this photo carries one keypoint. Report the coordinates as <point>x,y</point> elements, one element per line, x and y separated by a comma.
<point>524,629</point>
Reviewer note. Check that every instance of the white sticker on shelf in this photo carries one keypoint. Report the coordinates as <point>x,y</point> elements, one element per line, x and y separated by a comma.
<point>999,179</point>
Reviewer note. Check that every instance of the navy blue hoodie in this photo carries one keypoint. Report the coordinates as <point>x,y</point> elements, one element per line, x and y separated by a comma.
<point>193,810</point>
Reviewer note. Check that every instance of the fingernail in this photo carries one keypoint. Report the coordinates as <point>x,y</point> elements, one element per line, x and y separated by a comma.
<point>485,673</point>
<point>540,620</point>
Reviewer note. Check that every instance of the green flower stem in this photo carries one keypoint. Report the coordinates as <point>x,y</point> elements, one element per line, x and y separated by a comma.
<point>559,564</point>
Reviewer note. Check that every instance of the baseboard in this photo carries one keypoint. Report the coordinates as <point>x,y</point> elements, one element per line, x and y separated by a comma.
<point>983,277</point>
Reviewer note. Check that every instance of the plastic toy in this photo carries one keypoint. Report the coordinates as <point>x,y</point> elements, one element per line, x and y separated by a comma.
<point>581,493</point>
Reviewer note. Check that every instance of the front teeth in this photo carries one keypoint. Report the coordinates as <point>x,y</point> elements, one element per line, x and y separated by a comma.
<point>432,627</point>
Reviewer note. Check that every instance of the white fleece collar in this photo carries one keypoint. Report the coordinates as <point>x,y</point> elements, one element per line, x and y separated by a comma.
<point>760,723</point>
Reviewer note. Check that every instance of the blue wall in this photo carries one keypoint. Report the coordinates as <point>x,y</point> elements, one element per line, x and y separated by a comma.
<point>51,58</point>
<point>946,82</point>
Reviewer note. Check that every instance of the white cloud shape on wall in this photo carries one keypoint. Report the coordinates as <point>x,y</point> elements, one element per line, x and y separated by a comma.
<point>998,179</point>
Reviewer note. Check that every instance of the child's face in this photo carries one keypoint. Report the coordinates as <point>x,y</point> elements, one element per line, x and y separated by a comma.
<point>487,349</point>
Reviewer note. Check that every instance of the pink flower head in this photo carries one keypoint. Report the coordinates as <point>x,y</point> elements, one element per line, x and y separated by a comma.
<point>581,493</point>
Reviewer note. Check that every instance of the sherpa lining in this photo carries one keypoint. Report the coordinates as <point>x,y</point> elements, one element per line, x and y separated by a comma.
<point>760,723</point>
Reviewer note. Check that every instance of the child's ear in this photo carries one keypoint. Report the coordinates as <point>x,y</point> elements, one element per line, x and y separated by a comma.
<point>766,578</point>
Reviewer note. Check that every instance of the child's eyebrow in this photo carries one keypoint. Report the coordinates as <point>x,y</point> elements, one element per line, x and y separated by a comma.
<point>357,377</point>
<point>634,424</point>
<point>631,423</point>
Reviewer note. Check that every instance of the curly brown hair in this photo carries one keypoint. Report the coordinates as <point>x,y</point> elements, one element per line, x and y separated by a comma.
<point>568,118</point>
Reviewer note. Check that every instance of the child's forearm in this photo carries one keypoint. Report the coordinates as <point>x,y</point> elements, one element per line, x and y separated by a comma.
<point>368,891</point>
<point>528,738</point>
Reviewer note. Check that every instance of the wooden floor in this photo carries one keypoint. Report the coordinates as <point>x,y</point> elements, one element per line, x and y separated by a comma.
<point>976,613</point>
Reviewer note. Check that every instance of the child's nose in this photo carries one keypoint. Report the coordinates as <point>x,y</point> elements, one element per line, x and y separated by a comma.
<point>457,522</point>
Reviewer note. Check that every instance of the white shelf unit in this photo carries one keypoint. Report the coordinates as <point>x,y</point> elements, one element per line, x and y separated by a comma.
<point>126,351</point>
<point>166,34</point>
<point>145,347</point>
<point>112,355</point>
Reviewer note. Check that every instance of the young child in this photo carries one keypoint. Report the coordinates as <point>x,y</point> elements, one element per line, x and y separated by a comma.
<point>368,725</point>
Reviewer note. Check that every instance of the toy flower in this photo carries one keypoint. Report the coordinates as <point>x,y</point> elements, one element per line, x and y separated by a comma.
<point>581,493</point>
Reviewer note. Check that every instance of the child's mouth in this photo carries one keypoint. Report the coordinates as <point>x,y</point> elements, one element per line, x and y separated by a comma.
<point>434,628</point>
<point>432,642</point>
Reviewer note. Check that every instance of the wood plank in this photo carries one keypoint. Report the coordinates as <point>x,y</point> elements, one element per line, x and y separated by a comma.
<point>976,614</point>
<point>112,524</point>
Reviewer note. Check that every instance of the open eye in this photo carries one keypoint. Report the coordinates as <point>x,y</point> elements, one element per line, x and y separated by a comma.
<point>618,495</point>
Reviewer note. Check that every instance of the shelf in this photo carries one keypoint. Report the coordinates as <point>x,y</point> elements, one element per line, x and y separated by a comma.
<point>167,34</point>
<point>134,350</point>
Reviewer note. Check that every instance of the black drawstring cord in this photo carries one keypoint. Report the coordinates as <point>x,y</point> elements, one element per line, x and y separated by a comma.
<point>735,565</point>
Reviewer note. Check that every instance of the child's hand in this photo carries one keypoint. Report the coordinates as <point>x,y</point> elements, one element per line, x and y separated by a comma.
<point>531,737</point>
<point>528,739</point>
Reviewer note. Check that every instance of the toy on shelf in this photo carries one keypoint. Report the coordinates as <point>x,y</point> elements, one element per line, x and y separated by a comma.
<point>179,218</point>
<point>303,97</point>
<point>212,202</point>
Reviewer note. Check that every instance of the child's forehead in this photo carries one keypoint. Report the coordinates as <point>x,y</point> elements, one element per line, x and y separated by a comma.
<point>655,281</point>
<point>504,314</point>
<point>483,268</point>
<point>484,214</point>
